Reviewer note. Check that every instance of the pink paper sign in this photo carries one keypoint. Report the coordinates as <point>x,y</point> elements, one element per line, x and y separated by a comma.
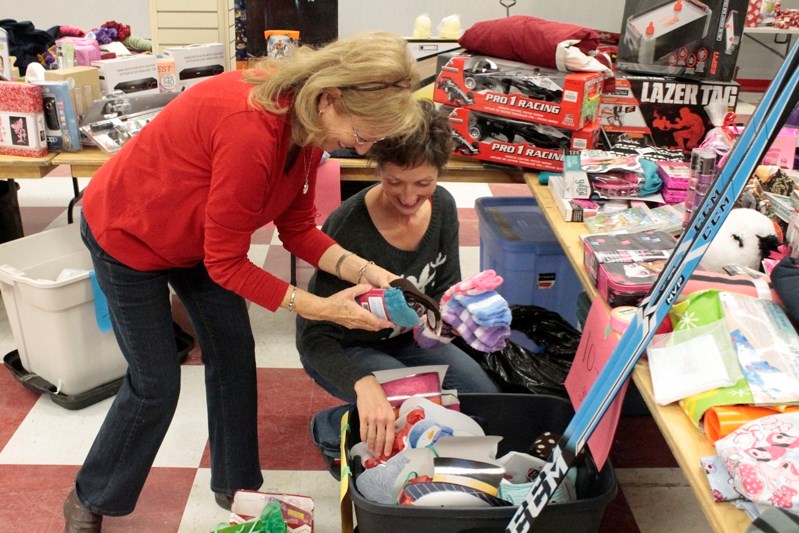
<point>596,345</point>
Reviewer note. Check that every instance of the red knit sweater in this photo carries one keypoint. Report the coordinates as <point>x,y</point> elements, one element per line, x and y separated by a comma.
<point>196,183</point>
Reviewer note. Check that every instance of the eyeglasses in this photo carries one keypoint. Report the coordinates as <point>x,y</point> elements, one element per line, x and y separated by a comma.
<point>404,83</point>
<point>362,140</point>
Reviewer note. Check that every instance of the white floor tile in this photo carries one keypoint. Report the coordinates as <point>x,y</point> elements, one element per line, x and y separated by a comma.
<point>470,260</point>
<point>202,513</point>
<point>53,435</point>
<point>466,193</point>
<point>274,338</point>
<point>47,192</point>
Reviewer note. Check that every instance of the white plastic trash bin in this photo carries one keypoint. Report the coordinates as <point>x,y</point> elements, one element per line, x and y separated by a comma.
<point>53,322</point>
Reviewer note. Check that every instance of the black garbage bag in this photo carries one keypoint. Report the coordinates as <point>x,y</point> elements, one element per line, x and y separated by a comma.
<point>517,369</point>
<point>546,328</point>
<point>543,371</point>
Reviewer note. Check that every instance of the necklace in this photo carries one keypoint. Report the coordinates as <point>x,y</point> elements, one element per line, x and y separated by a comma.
<point>307,167</point>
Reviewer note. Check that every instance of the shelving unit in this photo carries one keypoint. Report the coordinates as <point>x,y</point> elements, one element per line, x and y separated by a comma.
<point>184,22</point>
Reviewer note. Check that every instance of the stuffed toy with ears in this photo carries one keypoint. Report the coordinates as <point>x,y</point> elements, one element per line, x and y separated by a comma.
<point>745,238</point>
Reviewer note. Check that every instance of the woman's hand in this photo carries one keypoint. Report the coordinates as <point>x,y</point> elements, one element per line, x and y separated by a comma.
<point>376,416</point>
<point>342,309</point>
<point>378,276</point>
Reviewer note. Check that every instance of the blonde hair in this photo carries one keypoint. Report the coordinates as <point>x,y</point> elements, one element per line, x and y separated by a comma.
<point>368,75</point>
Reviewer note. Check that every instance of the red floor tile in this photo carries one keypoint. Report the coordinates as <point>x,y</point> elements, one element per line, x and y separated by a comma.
<point>33,496</point>
<point>15,402</point>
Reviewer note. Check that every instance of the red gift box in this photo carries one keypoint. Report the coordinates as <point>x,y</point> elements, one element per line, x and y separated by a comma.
<point>22,130</point>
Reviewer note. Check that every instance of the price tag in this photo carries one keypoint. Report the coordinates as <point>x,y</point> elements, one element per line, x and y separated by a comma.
<point>596,345</point>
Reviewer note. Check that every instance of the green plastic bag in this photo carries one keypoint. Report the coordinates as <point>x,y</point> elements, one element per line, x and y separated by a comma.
<point>270,521</point>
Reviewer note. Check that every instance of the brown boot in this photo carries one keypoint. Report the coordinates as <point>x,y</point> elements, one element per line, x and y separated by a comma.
<point>78,518</point>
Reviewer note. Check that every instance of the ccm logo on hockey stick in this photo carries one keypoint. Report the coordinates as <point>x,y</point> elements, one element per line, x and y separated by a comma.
<point>550,476</point>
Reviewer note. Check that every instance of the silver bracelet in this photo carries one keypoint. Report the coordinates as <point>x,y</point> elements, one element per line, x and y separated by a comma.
<point>290,306</point>
<point>362,271</point>
<point>341,262</point>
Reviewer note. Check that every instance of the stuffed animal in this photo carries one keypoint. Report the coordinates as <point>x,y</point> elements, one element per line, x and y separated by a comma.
<point>745,238</point>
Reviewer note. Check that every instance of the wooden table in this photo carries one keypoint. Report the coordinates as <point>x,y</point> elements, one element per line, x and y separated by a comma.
<point>14,167</point>
<point>686,442</point>
<point>84,163</point>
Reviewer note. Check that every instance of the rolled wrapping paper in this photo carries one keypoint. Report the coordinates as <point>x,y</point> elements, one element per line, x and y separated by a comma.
<point>721,420</point>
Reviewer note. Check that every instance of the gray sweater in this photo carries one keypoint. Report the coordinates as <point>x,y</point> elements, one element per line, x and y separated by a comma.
<point>433,268</point>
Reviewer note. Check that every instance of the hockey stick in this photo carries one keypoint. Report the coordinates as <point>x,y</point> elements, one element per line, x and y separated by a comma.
<point>741,162</point>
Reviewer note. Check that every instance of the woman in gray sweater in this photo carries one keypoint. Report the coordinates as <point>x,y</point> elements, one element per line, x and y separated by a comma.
<point>409,226</point>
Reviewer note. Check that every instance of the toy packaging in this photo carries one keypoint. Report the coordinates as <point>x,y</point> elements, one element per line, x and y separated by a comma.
<point>512,142</point>
<point>60,120</point>
<point>663,112</point>
<point>627,283</point>
<point>652,245</point>
<point>129,74</point>
<point>197,62</point>
<point>519,91</point>
<point>572,209</point>
<point>686,38</point>
<point>22,130</point>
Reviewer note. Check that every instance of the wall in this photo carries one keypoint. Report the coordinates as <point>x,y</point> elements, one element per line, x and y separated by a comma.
<point>399,17</point>
<point>83,14</point>
<point>754,61</point>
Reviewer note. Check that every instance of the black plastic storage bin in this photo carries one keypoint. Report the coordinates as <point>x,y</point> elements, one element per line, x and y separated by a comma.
<point>519,419</point>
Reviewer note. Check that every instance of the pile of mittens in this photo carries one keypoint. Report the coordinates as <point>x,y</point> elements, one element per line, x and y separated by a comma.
<point>473,310</point>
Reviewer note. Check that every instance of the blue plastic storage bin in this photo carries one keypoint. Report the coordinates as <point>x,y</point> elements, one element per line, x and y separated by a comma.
<point>517,242</point>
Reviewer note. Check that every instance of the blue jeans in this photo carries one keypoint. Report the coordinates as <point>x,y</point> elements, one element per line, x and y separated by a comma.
<point>464,374</point>
<point>114,472</point>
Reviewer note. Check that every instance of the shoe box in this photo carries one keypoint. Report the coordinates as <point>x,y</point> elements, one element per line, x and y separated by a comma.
<point>662,111</point>
<point>687,38</point>
<point>513,142</point>
<point>518,91</point>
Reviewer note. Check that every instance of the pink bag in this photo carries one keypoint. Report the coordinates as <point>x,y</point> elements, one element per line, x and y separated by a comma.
<point>86,49</point>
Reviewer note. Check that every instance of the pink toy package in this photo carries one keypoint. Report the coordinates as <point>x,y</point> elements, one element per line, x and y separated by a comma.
<point>22,127</point>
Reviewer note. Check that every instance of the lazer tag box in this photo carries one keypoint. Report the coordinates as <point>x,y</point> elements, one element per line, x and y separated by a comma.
<point>686,38</point>
<point>663,112</point>
<point>196,62</point>
<point>129,74</point>
<point>513,142</point>
<point>519,91</point>
<point>22,120</point>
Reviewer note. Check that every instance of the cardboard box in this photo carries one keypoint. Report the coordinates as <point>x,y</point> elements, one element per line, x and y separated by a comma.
<point>22,130</point>
<point>512,142</point>
<point>519,91</point>
<point>687,38</point>
<point>130,74</point>
<point>60,120</point>
<point>84,85</point>
<point>197,62</point>
<point>665,112</point>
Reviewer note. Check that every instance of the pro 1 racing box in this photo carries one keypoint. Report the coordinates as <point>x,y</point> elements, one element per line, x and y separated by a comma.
<point>513,142</point>
<point>519,91</point>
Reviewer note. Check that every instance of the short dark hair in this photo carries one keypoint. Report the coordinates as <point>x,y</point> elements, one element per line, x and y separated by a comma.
<point>431,144</point>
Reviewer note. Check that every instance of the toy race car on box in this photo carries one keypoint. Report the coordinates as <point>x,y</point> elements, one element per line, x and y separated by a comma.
<point>519,91</point>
